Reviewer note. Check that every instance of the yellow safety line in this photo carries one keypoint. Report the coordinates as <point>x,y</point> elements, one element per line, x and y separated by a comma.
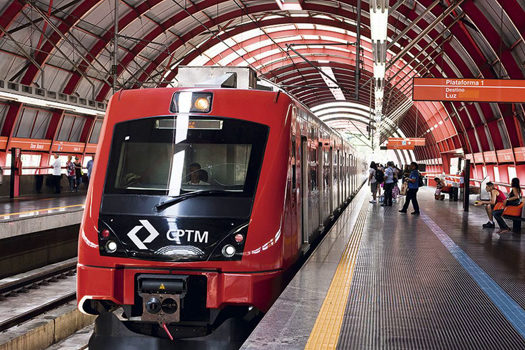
<point>325,333</point>
<point>37,210</point>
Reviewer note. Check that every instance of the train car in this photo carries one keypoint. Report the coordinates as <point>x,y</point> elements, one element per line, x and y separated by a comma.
<point>201,200</point>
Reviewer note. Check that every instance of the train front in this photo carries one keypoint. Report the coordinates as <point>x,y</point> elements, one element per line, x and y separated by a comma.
<point>175,228</point>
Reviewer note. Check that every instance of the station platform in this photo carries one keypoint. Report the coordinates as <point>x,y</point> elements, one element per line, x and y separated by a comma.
<point>381,279</point>
<point>28,215</point>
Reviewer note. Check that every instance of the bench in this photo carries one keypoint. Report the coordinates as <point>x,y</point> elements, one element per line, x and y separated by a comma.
<point>516,220</point>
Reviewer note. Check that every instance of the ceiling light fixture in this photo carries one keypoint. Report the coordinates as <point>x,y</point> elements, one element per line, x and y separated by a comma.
<point>49,104</point>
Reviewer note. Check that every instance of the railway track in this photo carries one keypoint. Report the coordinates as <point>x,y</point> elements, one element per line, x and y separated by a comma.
<point>37,292</point>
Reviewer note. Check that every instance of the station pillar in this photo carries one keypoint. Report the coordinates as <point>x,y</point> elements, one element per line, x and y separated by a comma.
<point>16,172</point>
<point>466,186</point>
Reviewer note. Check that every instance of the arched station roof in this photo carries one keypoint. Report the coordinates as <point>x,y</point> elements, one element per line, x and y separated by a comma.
<point>68,46</point>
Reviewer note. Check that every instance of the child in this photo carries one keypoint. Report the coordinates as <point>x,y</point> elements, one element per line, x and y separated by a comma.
<point>439,187</point>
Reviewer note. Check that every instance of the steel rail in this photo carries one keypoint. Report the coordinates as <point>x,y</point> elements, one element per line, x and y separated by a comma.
<point>28,315</point>
<point>25,282</point>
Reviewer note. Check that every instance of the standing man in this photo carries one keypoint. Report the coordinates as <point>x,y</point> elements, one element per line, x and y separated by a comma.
<point>413,186</point>
<point>89,167</point>
<point>389,184</point>
<point>57,172</point>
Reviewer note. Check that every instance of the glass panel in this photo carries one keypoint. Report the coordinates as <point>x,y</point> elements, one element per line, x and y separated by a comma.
<point>221,166</point>
<point>512,173</point>
<point>496,174</point>
<point>3,111</point>
<point>146,158</point>
<point>65,128</point>
<point>76,131</point>
<point>41,124</point>
<point>25,122</point>
<point>96,132</point>
<point>30,161</point>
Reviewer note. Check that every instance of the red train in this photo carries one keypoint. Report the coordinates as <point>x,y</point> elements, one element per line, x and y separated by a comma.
<point>201,200</point>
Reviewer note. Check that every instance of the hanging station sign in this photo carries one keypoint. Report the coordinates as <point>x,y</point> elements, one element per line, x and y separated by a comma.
<point>404,143</point>
<point>469,90</point>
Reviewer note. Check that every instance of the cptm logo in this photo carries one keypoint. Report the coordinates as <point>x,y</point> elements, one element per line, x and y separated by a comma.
<point>153,233</point>
<point>173,235</point>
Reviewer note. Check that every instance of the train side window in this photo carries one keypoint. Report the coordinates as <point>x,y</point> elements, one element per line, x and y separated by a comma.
<point>313,168</point>
<point>294,164</point>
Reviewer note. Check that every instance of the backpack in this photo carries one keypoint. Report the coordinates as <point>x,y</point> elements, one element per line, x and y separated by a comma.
<point>380,176</point>
<point>420,182</point>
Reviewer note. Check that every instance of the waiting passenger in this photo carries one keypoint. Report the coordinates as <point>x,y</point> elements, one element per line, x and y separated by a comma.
<point>372,182</point>
<point>196,175</point>
<point>413,186</point>
<point>57,173</point>
<point>513,198</point>
<point>78,173</point>
<point>496,196</point>
<point>439,188</point>
<point>389,184</point>
<point>71,175</point>
<point>89,167</point>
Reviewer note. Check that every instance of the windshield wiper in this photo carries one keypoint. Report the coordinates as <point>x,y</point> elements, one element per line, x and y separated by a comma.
<point>185,196</point>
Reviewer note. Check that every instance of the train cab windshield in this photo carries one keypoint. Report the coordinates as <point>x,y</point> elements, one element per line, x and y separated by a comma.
<point>173,156</point>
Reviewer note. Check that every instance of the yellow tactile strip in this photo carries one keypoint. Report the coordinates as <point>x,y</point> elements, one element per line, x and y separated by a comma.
<point>325,333</point>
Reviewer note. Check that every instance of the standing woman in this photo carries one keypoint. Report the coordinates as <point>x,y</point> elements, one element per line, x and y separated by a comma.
<point>71,174</point>
<point>513,198</point>
<point>372,182</point>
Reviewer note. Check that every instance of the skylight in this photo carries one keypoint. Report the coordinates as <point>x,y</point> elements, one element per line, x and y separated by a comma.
<point>334,88</point>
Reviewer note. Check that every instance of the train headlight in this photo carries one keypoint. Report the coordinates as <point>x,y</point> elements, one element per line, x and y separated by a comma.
<point>191,102</point>
<point>202,104</point>
<point>228,251</point>
<point>111,247</point>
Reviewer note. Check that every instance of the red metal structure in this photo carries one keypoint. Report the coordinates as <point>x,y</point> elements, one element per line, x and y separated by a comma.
<point>217,241</point>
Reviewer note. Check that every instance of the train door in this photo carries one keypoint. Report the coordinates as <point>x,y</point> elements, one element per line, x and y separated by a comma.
<point>304,188</point>
<point>320,183</point>
<point>345,177</point>
<point>296,195</point>
<point>331,180</point>
<point>351,173</point>
<point>338,178</point>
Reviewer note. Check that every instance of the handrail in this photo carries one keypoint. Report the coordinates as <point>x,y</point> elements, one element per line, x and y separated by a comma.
<point>476,180</point>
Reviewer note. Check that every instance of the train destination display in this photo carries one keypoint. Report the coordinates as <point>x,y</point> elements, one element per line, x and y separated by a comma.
<point>404,143</point>
<point>469,90</point>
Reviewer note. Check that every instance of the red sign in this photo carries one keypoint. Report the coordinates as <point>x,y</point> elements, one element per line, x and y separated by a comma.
<point>519,152</point>
<point>478,158</point>
<point>469,90</point>
<point>91,148</point>
<point>31,144</point>
<point>404,143</point>
<point>490,157</point>
<point>68,147</point>
<point>505,156</point>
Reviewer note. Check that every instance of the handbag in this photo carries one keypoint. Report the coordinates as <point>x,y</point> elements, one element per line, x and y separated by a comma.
<point>513,210</point>
<point>404,188</point>
<point>499,206</point>
<point>395,191</point>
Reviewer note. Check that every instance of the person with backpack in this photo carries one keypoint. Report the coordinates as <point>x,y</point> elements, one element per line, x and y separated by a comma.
<point>414,181</point>
<point>389,184</point>
<point>372,182</point>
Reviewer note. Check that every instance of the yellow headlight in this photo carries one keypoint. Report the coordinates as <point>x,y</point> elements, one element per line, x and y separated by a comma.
<point>202,104</point>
